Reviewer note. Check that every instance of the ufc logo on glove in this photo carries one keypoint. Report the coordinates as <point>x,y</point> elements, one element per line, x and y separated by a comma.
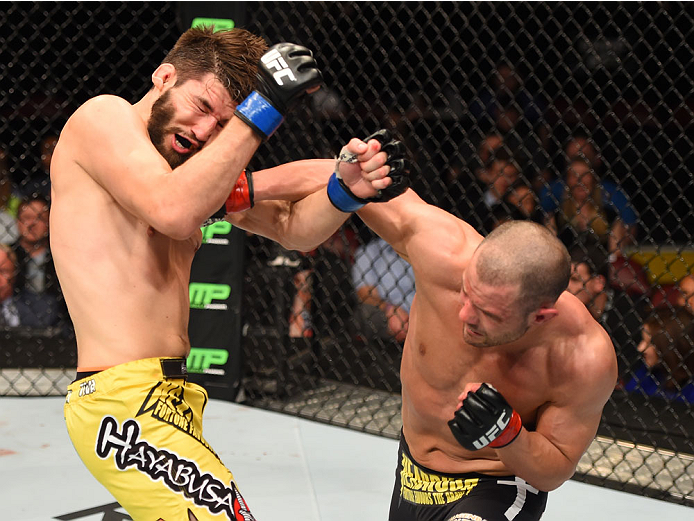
<point>274,60</point>
<point>493,432</point>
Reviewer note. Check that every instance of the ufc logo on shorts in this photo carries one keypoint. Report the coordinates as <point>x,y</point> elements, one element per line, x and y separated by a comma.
<point>492,433</point>
<point>274,60</point>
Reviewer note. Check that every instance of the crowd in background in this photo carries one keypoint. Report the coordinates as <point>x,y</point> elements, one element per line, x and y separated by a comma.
<point>515,173</point>
<point>30,295</point>
<point>511,176</point>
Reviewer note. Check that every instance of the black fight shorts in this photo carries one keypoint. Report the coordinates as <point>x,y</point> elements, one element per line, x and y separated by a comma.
<point>422,494</point>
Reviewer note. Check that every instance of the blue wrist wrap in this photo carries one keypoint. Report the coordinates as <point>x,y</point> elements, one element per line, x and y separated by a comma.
<point>260,113</point>
<point>340,197</point>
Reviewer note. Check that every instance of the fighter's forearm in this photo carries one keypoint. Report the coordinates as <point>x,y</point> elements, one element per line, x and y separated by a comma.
<point>291,201</point>
<point>311,221</point>
<point>203,180</point>
<point>535,459</point>
<point>292,181</point>
<point>302,225</point>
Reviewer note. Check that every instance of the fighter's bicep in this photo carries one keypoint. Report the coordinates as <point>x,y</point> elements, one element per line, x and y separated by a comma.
<point>408,223</point>
<point>570,427</point>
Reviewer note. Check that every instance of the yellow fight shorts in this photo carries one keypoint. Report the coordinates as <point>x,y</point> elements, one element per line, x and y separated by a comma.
<point>138,429</point>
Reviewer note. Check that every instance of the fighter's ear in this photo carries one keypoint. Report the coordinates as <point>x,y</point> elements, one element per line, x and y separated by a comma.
<point>164,77</point>
<point>542,315</point>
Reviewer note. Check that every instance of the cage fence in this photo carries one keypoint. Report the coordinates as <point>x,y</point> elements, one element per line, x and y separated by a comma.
<point>574,115</point>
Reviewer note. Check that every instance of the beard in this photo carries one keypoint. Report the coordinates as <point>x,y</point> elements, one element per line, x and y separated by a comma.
<point>158,129</point>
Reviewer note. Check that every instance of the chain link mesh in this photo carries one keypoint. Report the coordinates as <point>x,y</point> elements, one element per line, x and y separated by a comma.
<point>576,115</point>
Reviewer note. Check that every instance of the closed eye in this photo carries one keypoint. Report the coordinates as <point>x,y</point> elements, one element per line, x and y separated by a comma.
<point>492,316</point>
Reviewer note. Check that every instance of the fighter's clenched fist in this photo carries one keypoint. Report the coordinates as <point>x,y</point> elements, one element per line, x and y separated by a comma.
<point>485,418</point>
<point>285,73</point>
<point>373,170</point>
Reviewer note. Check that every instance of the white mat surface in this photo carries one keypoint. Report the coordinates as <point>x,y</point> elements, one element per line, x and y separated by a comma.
<point>287,468</point>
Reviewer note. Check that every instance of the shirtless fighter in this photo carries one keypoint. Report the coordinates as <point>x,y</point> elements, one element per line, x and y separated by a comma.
<point>504,373</point>
<point>131,186</point>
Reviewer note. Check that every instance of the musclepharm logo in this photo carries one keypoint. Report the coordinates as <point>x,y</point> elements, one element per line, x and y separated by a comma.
<point>202,294</point>
<point>200,360</point>
<point>218,228</point>
<point>274,60</point>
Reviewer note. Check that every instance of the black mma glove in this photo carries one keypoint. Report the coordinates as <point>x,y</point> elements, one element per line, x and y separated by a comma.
<point>485,418</point>
<point>285,72</point>
<point>342,197</point>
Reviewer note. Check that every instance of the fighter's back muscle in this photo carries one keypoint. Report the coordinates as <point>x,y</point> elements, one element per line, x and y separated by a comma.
<point>122,281</point>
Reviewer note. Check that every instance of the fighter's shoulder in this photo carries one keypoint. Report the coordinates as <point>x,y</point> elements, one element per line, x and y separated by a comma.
<point>587,340</point>
<point>432,218</point>
<point>104,111</point>
<point>575,318</point>
<point>455,237</point>
<point>441,247</point>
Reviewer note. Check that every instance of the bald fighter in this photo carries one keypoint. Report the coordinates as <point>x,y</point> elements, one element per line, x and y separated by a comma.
<point>131,186</point>
<point>504,373</point>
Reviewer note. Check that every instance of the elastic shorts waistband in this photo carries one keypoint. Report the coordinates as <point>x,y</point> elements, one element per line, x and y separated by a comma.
<point>144,370</point>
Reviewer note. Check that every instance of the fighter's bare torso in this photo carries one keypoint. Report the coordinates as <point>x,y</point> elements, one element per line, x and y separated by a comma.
<point>538,373</point>
<point>437,364</point>
<point>125,284</point>
<point>125,225</point>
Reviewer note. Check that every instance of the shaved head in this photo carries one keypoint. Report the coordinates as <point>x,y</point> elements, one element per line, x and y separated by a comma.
<point>526,254</point>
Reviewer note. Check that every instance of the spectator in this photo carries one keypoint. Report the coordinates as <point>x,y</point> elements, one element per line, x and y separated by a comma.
<point>580,203</point>
<point>514,112</point>
<point>464,180</point>
<point>667,350</point>
<point>519,204</point>
<point>8,203</point>
<point>9,316</point>
<point>580,147</point>
<point>502,213</point>
<point>338,252</point>
<point>589,275</point>
<point>628,276</point>
<point>488,147</point>
<point>384,283</point>
<point>36,271</point>
<point>506,89</point>
<point>625,274</point>
<point>38,182</point>
<point>520,196</point>
<point>615,310</point>
<point>24,308</point>
<point>500,173</point>
<point>686,293</point>
<point>300,323</point>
